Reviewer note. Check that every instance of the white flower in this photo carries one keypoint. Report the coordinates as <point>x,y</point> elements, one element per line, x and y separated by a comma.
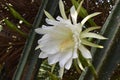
<point>63,37</point>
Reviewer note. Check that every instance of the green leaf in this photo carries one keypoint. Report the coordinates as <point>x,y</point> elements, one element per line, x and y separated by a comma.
<point>17,15</point>
<point>14,27</point>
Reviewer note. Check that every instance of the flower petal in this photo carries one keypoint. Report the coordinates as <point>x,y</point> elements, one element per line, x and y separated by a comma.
<point>80,65</point>
<point>64,21</point>
<point>88,43</point>
<point>62,10</point>
<point>65,56</point>
<point>51,22</point>
<point>92,35</point>
<point>68,64</point>
<point>51,47</point>
<point>85,52</point>
<point>48,15</point>
<point>49,44</point>
<point>52,59</point>
<point>74,14</point>
<point>88,17</point>
<point>43,55</point>
<point>90,29</point>
<point>75,55</point>
<point>44,30</point>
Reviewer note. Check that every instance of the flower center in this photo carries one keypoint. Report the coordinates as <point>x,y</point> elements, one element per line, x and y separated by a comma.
<point>67,44</point>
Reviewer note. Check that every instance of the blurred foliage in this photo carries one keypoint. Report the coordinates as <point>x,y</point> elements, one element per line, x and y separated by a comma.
<point>44,72</point>
<point>12,42</point>
<point>14,28</point>
<point>17,15</point>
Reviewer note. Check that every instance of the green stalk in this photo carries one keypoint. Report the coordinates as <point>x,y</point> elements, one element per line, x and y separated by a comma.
<point>107,59</point>
<point>91,67</point>
<point>76,66</point>
<point>87,63</point>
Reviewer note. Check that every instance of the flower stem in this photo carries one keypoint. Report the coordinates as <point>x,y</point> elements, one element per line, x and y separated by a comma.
<point>91,67</point>
<point>87,63</point>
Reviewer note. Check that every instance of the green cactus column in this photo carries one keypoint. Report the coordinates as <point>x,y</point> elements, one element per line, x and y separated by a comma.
<point>28,65</point>
<point>106,60</point>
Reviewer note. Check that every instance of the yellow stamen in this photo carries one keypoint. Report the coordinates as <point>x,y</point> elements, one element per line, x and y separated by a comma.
<point>66,44</point>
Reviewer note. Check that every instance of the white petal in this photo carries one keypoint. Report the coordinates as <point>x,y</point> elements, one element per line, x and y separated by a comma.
<point>68,64</point>
<point>62,10</point>
<point>44,29</point>
<point>51,22</point>
<point>88,43</point>
<point>75,55</point>
<point>64,21</point>
<point>38,47</point>
<point>85,52</point>
<point>88,17</point>
<point>48,15</point>
<point>45,37</point>
<point>65,56</point>
<point>73,13</point>
<point>91,29</point>
<point>59,18</point>
<point>52,59</point>
<point>62,30</point>
<point>49,44</point>
<point>80,65</point>
<point>92,35</point>
<point>39,31</point>
<point>49,39</point>
<point>51,47</point>
<point>43,55</point>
